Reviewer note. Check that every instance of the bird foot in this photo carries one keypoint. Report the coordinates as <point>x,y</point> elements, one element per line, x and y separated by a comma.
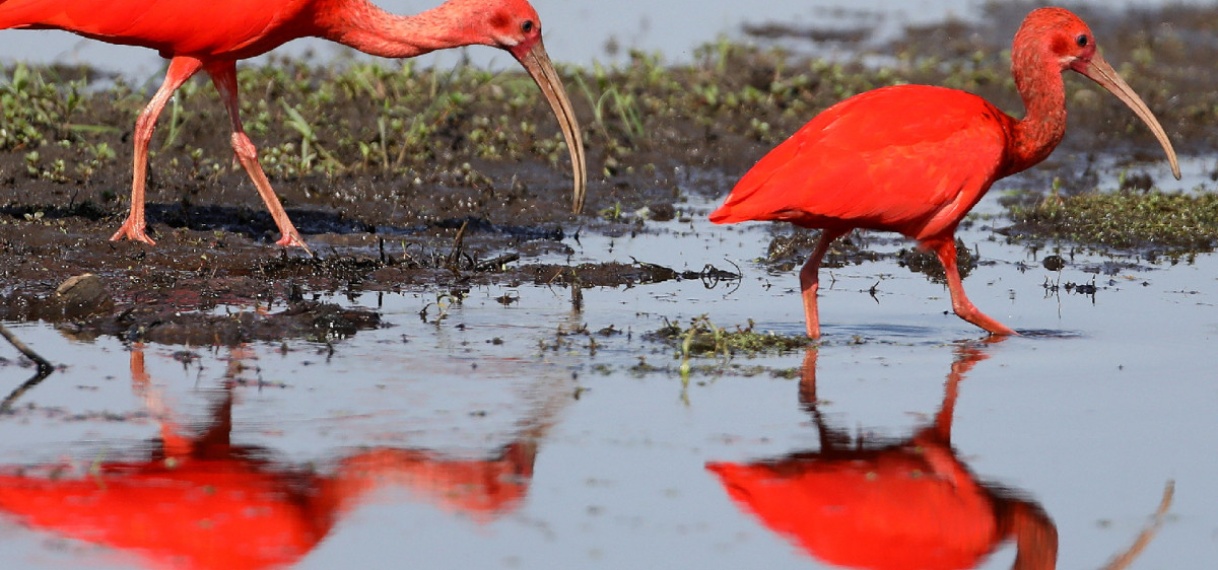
<point>995,328</point>
<point>292,239</point>
<point>1002,331</point>
<point>133,231</point>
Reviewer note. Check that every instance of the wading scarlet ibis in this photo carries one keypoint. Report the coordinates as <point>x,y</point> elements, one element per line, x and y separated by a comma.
<point>212,35</point>
<point>915,159</point>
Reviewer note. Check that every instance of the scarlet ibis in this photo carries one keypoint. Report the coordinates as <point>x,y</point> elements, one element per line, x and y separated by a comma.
<point>212,35</point>
<point>915,159</point>
<point>895,505</point>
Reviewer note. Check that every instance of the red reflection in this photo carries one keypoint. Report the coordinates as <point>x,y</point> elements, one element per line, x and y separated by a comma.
<point>200,502</point>
<point>909,504</point>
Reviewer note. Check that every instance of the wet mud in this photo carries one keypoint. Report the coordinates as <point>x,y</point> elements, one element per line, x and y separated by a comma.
<point>404,179</point>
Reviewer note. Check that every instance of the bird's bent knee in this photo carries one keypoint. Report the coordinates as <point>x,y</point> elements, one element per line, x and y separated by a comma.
<point>244,147</point>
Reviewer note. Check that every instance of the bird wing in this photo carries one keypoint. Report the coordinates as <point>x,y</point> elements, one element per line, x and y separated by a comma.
<point>237,28</point>
<point>910,158</point>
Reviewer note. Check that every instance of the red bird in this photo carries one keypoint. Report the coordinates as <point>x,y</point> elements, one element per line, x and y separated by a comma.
<point>915,159</point>
<point>211,35</point>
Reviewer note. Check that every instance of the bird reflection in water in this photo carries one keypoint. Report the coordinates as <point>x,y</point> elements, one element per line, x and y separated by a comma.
<point>908,504</point>
<point>200,501</point>
<point>903,504</point>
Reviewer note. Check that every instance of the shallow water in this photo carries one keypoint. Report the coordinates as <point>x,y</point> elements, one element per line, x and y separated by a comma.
<point>494,442</point>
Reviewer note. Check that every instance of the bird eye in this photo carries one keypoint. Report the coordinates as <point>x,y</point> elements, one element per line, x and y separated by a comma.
<point>527,26</point>
<point>1082,40</point>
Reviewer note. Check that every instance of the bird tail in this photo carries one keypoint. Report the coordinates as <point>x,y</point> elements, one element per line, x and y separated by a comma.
<point>722,215</point>
<point>742,205</point>
<point>760,194</point>
<point>10,17</point>
<point>28,15</point>
<point>736,209</point>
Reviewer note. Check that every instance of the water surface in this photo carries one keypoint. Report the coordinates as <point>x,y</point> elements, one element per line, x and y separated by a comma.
<point>584,461</point>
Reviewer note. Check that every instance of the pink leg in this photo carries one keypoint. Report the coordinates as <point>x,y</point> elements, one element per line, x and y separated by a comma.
<point>180,69</point>
<point>224,76</point>
<point>809,280</point>
<point>960,303</point>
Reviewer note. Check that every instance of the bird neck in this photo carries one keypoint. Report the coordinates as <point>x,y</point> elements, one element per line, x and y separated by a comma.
<point>1043,126</point>
<point>364,26</point>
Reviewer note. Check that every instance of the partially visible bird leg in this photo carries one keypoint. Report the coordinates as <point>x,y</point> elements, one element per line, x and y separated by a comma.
<point>180,69</point>
<point>946,249</point>
<point>224,76</point>
<point>809,280</point>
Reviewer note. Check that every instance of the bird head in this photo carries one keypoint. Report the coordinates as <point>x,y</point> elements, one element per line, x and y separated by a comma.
<point>514,26</point>
<point>1067,38</point>
<point>1057,35</point>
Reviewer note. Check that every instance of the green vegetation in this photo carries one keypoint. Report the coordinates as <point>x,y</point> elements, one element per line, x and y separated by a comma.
<point>32,105</point>
<point>702,338</point>
<point>39,108</point>
<point>394,118</point>
<point>1173,223</point>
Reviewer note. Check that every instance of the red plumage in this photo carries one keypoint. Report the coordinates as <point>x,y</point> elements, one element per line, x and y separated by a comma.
<point>212,35</point>
<point>901,158</point>
<point>915,159</point>
<point>232,28</point>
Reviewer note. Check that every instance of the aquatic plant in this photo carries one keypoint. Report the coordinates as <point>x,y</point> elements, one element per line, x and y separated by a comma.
<point>1173,223</point>
<point>702,338</point>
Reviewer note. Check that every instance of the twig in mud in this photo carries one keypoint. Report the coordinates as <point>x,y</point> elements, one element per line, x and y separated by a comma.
<point>496,263</point>
<point>1123,560</point>
<point>454,258</point>
<point>407,259</point>
<point>577,298</point>
<point>659,273</point>
<point>43,365</point>
<point>712,276</point>
<point>558,274</point>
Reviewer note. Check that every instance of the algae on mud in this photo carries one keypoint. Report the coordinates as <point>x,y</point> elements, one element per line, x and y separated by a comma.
<point>1170,223</point>
<point>703,338</point>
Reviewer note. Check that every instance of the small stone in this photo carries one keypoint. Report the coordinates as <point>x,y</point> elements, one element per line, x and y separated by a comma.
<point>1054,263</point>
<point>82,296</point>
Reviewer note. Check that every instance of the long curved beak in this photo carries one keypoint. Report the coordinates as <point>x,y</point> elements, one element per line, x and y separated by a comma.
<point>537,63</point>
<point>1100,72</point>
